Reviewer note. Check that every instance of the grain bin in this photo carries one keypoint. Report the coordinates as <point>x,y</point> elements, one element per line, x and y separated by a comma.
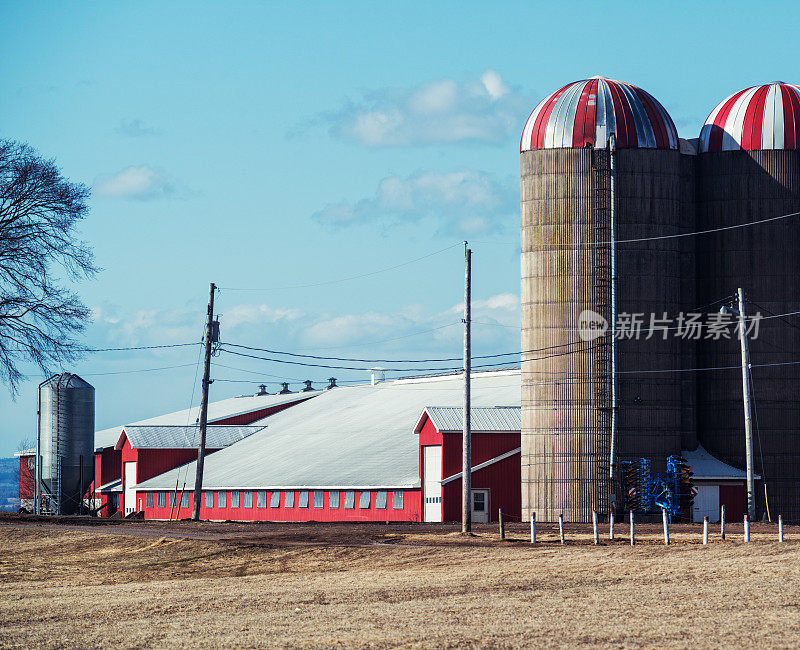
<point>749,170</point>
<point>65,443</point>
<point>569,397</point>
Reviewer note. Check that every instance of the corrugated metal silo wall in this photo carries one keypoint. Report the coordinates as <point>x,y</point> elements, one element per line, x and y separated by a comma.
<point>736,187</point>
<point>566,395</point>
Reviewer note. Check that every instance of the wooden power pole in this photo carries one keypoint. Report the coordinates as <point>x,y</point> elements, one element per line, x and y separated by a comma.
<point>466,459</point>
<point>210,337</point>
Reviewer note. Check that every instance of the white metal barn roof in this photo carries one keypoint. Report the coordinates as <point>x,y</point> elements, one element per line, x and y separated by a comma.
<point>706,467</point>
<point>220,410</point>
<point>348,437</point>
<point>495,418</point>
<point>182,437</point>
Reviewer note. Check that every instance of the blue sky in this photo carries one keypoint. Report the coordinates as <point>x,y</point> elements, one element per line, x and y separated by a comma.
<point>266,145</point>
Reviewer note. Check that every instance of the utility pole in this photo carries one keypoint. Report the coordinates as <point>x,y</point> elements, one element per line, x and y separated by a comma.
<point>210,337</point>
<point>748,419</point>
<point>466,456</point>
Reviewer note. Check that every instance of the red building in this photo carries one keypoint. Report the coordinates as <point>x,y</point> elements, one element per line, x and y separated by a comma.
<point>105,492</point>
<point>495,462</point>
<point>361,453</point>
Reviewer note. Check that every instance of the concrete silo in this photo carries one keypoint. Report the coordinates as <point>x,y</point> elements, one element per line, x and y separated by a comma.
<point>749,169</point>
<point>65,444</point>
<point>571,405</point>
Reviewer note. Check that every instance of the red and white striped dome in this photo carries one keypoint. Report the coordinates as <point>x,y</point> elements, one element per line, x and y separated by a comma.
<point>587,112</point>
<point>761,117</point>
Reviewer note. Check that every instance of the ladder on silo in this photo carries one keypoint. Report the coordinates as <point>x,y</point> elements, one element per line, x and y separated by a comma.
<point>601,270</point>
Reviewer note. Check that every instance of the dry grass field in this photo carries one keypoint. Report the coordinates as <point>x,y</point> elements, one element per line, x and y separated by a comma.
<point>143,584</point>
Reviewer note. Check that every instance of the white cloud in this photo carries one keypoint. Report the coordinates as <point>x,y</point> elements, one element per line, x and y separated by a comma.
<point>136,129</point>
<point>133,182</point>
<point>464,202</point>
<point>248,314</point>
<point>443,111</point>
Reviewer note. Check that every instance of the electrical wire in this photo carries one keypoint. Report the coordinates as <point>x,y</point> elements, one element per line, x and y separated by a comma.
<point>323,358</point>
<point>661,237</point>
<point>347,279</point>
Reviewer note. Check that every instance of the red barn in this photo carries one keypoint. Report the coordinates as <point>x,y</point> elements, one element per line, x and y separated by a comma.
<point>352,454</point>
<point>495,462</point>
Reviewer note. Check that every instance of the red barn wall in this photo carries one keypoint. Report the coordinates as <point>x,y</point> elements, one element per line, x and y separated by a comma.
<point>502,479</point>
<point>249,418</point>
<point>411,510</point>
<point>27,476</point>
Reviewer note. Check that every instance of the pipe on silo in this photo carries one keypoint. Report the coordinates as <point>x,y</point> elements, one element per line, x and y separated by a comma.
<point>612,149</point>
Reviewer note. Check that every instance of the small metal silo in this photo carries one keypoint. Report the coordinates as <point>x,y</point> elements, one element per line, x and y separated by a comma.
<point>65,444</point>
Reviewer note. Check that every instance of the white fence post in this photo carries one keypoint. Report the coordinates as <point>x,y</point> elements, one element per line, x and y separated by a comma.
<point>705,531</point>
<point>746,528</point>
<point>533,527</point>
<point>611,526</point>
<point>780,528</point>
<point>633,531</point>
<point>722,520</point>
<point>665,518</point>
<point>594,527</point>
<point>561,526</point>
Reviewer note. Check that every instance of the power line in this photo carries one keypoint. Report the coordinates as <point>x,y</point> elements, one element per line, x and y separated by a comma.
<point>140,347</point>
<point>643,239</point>
<point>348,279</point>
<point>441,360</point>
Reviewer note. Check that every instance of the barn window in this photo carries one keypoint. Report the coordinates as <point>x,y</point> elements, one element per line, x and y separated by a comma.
<point>380,500</point>
<point>149,501</point>
<point>262,499</point>
<point>302,500</point>
<point>234,499</point>
<point>397,500</point>
<point>140,504</point>
<point>185,500</point>
<point>333,499</point>
<point>171,499</point>
<point>363,502</point>
<point>162,499</point>
<point>349,499</point>
<point>115,500</point>
<point>275,500</point>
<point>248,499</point>
<point>222,499</point>
<point>319,499</point>
<point>209,499</point>
<point>288,499</point>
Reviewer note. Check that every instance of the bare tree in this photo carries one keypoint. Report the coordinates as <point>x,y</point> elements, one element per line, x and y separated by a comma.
<point>39,254</point>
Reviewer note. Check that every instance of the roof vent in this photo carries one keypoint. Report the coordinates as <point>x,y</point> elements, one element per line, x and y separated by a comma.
<point>262,389</point>
<point>331,383</point>
<point>285,388</point>
<point>308,387</point>
<point>377,375</point>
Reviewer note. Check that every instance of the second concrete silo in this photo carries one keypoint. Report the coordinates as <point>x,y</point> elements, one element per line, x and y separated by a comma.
<point>570,399</point>
<point>749,170</point>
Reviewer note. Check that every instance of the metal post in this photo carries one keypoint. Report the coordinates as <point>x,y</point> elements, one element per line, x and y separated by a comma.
<point>612,148</point>
<point>611,526</point>
<point>502,525</point>
<point>594,527</point>
<point>780,528</point>
<point>746,528</point>
<point>705,531</point>
<point>201,448</point>
<point>466,450</point>
<point>533,527</point>
<point>633,531</point>
<point>722,520</point>
<point>665,518</point>
<point>561,527</point>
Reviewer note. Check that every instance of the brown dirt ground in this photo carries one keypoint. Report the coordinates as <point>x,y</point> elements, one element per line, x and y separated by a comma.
<point>142,584</point>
